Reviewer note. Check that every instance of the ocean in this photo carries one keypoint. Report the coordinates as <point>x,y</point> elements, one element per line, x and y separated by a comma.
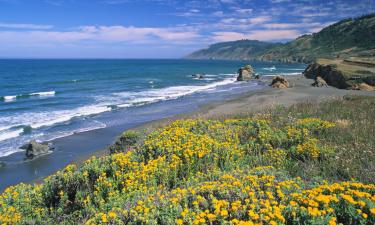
<point>45,100</point>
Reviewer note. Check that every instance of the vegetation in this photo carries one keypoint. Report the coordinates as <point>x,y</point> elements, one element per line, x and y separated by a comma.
<point>308,164</point>
<point>343,73</point>
<point>349,37</point>
<point>242,49</point>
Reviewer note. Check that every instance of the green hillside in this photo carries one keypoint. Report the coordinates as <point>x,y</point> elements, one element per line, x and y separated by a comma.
<point>242,49</point>
<point>349,37</point>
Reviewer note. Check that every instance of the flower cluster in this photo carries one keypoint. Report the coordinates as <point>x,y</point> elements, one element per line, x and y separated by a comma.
<point>197,172</point>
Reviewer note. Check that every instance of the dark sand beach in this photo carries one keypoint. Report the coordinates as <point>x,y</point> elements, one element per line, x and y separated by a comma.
<point>95,142</point>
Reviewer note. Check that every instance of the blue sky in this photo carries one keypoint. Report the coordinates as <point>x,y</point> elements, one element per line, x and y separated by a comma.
<point>157,28</point>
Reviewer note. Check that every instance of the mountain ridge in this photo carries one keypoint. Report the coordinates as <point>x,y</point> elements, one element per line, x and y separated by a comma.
<point>346,38</point>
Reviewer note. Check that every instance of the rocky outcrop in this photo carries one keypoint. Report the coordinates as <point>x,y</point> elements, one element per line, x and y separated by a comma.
<point>319,82</point>
<point>279,82</point>
<point>328,73</point>
<point>340,74</point>
<point>363,87</point>
<point>34,149</point>
<point>245,73</point>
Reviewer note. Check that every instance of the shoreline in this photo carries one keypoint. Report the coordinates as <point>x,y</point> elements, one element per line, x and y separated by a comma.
<point>245,103</point>
<point>251,102</point>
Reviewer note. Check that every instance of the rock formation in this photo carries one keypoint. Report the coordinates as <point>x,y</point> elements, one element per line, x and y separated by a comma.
<point>279,82</point>
<point>34,149</point>
<point>328,73</point>
<point>245,73</point>
<point>363,87</point>
<point>343,74</point>
<point>319,82</point>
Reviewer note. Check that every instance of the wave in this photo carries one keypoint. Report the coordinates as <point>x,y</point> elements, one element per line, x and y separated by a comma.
<point>281,74</point>
<point>36,125</point>
<point>66,115</point>
<point>35,120</point>
<point>11,98</point>
<point>272,68</point>
<point>128,99</point>
<point>228,74</point>
<point>46,93</point>
<point>81,130</point>
<point>11,134</point>
<point>205,78</point>
<point>26,122</point>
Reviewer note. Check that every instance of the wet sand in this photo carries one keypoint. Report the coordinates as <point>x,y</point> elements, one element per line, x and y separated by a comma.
<point>249,102</point>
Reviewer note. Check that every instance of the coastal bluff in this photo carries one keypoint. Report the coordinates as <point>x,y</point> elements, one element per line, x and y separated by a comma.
<point>352,73</point>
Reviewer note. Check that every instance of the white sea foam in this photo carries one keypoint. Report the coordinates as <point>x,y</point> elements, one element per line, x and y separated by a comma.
<point>206,78</point>
<point>281,74</point>
<point>10,134</point>
<point>66,115</point>
<point>228,74</point>
<point>270,68</point>
<point>10,125</point>
<point>43,119</point>
<point>10,98</point>
<point>155,95</point>
<point>46,93</point>
<point>8,151</point>
<point>68,133</point>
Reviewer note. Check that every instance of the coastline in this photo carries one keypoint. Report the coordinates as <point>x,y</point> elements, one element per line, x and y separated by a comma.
<point>245,103</point>
<point>251,102</point>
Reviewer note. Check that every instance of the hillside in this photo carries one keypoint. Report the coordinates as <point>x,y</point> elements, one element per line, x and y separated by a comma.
<point>242,49</point>
<point>349,37</point>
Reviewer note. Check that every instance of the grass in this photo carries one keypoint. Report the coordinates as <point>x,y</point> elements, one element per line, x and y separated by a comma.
<point>352,138</point>
<point>291,165</point>
<point>351,68</point>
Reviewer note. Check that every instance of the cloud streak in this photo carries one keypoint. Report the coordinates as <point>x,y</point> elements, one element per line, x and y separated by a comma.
<point>101,33</point>
<point>25,26</point>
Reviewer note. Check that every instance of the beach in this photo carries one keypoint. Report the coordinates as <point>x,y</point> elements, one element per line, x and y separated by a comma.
<point>84,108</point>
<point>78,147</point>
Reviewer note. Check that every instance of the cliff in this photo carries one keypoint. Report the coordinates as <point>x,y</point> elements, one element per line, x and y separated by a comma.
<point>349,37</point>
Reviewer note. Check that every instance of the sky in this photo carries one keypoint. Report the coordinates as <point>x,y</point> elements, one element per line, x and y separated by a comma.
<point>157,28</point>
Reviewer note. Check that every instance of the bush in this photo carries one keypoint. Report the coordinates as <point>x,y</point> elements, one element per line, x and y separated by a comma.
<point>125,142</point>
<point>233,171</point>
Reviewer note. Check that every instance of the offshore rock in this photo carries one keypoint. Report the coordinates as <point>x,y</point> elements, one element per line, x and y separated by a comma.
<point>245,73</point>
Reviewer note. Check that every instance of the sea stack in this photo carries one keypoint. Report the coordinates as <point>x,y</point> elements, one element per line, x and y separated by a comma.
<point>245,73</point>
<point>279,82</point>
<point>34,149</point>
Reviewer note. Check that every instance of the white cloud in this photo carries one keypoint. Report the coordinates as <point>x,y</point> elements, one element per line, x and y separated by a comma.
<point>262,35</point>
<point>228,36</point>
<point>101,33</point>
<point>218,13</point>
<point>247,21</point>
<point>260,19</point>
<point>273,35</point>
<point>244,11</point>
<point>26,26</point>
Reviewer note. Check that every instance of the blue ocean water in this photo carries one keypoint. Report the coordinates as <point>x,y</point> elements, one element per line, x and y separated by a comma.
<point>46,99</point>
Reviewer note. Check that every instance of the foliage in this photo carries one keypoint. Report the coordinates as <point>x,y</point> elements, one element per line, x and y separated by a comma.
<point>125,142</point>
<point>230,171</point>
<point>353,36</point>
